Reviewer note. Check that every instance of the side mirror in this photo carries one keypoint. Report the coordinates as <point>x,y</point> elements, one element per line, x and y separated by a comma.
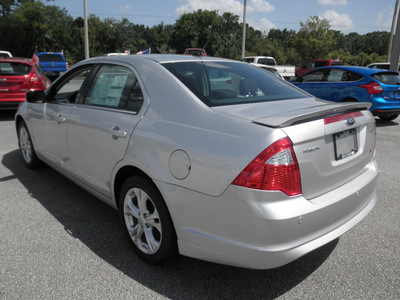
<point>34,96</point>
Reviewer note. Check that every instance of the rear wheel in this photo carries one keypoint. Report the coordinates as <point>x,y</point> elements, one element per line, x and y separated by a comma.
<point>26,147</point>
<point>389,117</point>
<point>146,220</point>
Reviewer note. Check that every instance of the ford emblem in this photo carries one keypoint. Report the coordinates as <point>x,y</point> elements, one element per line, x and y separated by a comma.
<point>350,121</point>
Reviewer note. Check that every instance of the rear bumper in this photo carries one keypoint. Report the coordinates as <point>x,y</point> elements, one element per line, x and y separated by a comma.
<point>384,107</point>
<point>386,112</point>
<point>261,230</point>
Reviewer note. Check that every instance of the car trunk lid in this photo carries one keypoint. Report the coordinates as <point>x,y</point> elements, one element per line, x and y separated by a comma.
<point>332,143</point>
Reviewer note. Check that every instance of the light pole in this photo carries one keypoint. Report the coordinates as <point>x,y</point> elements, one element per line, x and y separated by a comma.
<point>395,13</point>
<point>395,49</point>
<point>244,30</point>
<point>86,30</point>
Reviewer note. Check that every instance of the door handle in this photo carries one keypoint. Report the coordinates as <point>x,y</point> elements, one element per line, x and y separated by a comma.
<point>60,119</point>
<point>117,133</point>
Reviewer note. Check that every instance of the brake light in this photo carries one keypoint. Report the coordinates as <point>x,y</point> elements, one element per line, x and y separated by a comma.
<point>372,87</point>
<point>35,79</point>
<point>339,118</point>
<point>274,169</point>
<point>67,65</point>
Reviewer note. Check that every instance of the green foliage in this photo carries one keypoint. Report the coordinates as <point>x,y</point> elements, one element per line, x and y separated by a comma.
<point>315,39</point>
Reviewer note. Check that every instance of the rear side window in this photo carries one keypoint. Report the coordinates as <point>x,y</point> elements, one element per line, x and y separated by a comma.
<point>14,69</point>
<point>390,78</point>
<point>229,83</point>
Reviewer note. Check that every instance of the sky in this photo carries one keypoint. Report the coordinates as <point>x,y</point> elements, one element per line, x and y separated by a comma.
<point>361,16</point>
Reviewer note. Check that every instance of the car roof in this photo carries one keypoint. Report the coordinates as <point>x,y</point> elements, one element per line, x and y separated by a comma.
<point>159,58</point>
<point>356,69</point>
<point>17,59</point>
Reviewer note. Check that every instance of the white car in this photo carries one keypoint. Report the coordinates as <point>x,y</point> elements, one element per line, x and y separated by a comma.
<point>5,54</point>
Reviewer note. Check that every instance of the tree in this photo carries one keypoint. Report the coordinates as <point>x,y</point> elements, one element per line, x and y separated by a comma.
<point>315,39</point>
<point>196,30</point>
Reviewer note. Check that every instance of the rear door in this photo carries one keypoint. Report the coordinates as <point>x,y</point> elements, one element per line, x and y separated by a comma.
<point>100,126</point>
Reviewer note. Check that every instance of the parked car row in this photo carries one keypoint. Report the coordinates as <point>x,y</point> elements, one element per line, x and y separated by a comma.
<point>378,87</point>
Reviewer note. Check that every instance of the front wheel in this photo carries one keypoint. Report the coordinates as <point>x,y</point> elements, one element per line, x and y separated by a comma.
<point>146,221</point>
<point>388,117</point>
<point>26,147</point>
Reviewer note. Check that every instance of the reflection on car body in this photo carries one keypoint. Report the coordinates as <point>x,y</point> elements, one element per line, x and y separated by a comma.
<point>205,156</point>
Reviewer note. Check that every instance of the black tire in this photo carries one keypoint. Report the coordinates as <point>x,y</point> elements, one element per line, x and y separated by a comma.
<point>389,117</point>
<point>26,147</point>
<point>146,221</point>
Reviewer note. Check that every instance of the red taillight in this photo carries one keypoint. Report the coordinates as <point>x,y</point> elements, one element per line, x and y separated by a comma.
<point>372,87</point>
<point>35,79</point>
<point>274,169</point>
<point>67,65</point>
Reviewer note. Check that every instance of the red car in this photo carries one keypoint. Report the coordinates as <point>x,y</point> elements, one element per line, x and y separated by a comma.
<point>195,52</point>
<point>317,63</point>
<point>17,76</point>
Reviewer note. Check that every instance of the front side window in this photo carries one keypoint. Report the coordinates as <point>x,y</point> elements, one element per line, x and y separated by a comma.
<point>314,76</point>
<point>67,90</point>
<point>229,83</point>
<point>115,87</point>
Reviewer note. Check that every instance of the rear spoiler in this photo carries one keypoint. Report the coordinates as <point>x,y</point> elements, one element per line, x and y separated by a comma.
<point>310,113</point>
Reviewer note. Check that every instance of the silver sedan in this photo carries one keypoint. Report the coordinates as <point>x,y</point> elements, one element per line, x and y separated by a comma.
<point>205,157</point>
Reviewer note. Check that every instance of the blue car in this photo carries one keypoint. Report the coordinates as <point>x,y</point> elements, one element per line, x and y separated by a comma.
<point>379,87</point>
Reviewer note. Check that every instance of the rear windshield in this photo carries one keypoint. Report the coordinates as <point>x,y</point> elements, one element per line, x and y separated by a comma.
<point>229,83</point>
<point>194,52</point>
<point>14,68</point>
<point>50,57</point>
<point>389,78</point>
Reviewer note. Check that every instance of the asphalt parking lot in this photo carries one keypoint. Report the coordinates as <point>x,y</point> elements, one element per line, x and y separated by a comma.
<point>59,242</point>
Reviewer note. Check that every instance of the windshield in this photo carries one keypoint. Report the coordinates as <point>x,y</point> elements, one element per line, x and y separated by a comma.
<point>389,78</point>
<point>50,57</point>
<point>228,83</point>
<point>14,69</point>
